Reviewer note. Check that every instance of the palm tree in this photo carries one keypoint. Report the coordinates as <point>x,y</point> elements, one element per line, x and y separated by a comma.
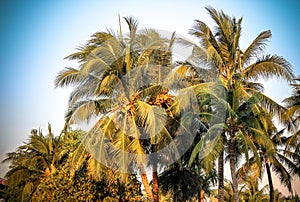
<point>80,185</point>
<point>293,198</point>
<point>281,164</point>
<point>293,115</point>
<point>250,191</point>
<point>228,191</point>
<point>237,67</point>
<point>285,163</point>
<point>245,116</point>
<point>181,183</point>
<point>32,163</point>
<point>137,97</point>
<point>274,156</point>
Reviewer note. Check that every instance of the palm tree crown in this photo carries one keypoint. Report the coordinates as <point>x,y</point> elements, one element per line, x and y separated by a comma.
<point>239,70</point>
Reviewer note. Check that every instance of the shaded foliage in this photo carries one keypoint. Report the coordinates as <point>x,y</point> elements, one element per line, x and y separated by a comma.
<point>30,177</point>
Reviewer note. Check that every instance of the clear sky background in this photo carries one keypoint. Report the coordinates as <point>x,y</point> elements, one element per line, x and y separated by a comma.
<point>36,35</point>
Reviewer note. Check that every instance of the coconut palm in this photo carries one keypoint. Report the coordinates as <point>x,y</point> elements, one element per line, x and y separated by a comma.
<point>293,116</point>
<point>185,184</point>
<point>32,163</point>
<point>181,183</point>
<point>244,123</point>
<point>228,191</point>
<point>274,156</point>
<point>250,191</point>
<point>81,186</point>
<point>221,47</point>
<point>129,86</point>
<point>281,164</point>
<point>284,162</point>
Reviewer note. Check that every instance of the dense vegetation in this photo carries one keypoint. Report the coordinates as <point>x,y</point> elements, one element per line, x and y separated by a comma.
<point>201,112</point>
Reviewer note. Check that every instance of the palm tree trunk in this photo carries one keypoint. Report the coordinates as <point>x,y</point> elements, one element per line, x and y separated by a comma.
<point>155,185</point>
<point>221,177</point>
<point>232,169</point>
<point>270,182</point>
<point>146,184</point>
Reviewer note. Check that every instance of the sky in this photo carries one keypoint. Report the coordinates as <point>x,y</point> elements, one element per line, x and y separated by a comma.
<point>36,35</point>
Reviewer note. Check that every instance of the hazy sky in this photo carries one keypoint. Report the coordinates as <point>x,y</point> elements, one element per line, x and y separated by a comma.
<point>36,35</point>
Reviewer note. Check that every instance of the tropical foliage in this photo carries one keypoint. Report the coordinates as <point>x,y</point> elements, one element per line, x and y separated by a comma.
<point>181,121</point>
<point>293,116</point>
<point>32,163</point>
<point>30,177</point>
<point>138,98</point>
<point>245,103</point>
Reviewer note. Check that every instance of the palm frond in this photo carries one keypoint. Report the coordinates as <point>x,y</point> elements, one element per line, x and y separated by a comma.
<point>81,111</point>
<point>120,153</point>
<point>254,85</point>
<point>39,144</point>
<point>293,168</point>
<point>270,105</point>
<point>83,52</point>
<point>236,36</point>
<point>208,42</point>
<point>107,85</point>
<point>138,153</point>
<point>16,175</point>
<point>96,169</point>
<point>68,76</point>
<point>210,145</point>
<point>270,67</point>
<point>85,90</point>
<point>282,173</point>
<point>256,47</point>
<point>27,191</point>
<point>98,38</point>
<point>95,66</point>
<point>153,118</point>
<point>78,157</point>
<point>132,25</point>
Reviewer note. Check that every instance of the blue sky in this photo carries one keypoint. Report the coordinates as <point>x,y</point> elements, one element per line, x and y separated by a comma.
<point>36,35</point>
